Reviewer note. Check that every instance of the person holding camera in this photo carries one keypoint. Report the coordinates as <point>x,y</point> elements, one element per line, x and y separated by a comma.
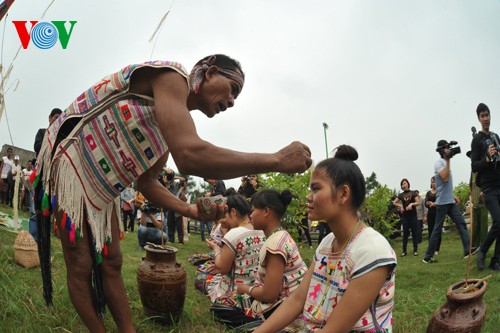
<point>249,185</point>
<point>150,228</point>
<point>484,157</point>
<point>446,202</point>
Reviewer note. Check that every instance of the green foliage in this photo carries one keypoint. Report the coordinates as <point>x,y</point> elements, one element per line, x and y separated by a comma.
<point>375,213</point>
<point>461,191</point>
<point>371,183</point>
<point>198,190</point>
<point>298,184</point>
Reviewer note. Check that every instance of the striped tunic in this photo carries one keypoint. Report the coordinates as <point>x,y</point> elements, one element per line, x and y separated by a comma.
<point>100,144</point>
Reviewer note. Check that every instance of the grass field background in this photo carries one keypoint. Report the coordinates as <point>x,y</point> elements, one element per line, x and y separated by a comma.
<point>420,290</point>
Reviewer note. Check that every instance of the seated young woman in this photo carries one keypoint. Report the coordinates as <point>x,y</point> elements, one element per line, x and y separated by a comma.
<point>281,267</point>
<point>237,261</point>
<point>350,284</point>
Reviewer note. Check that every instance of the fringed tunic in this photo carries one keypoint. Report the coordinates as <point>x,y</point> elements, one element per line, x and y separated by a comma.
<point>101,143</point>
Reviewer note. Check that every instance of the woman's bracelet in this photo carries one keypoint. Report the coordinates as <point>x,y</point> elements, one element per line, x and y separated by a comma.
<point>250,290</point>
<point>217,253</point>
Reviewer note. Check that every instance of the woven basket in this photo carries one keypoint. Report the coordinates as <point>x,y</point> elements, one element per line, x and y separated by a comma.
<point>25,250</point>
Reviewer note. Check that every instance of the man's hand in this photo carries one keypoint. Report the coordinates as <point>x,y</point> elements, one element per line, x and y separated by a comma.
<point>296,157</point>
<point>492,151</point>
<point>197,212</point>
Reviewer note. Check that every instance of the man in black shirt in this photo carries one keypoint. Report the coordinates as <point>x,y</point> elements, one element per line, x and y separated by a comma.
<point>54,114</point>
<point>484,161</point>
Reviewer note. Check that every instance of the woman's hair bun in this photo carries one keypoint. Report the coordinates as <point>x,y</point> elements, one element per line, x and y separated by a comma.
<point>286,197</point>
<point>345,152</point>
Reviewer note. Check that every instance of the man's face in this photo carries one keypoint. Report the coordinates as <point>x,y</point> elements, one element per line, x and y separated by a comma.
<point>218,93</point>
<point>53,118</point>
<point>484,118</point>
<point>9,153</point>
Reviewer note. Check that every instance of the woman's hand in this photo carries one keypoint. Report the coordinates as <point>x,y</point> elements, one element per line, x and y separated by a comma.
<point>242,289</point>
<point>212,245</point>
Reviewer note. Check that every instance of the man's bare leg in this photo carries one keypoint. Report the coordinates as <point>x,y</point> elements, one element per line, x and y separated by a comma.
<point>112,282</point>
<point>79,273</point>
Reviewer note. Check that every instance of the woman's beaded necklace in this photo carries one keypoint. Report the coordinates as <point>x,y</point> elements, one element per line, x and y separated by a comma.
<point>341,253</point>
<point>275,230</point>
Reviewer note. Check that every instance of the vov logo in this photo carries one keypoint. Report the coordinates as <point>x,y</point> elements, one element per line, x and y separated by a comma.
<point>44,34</point>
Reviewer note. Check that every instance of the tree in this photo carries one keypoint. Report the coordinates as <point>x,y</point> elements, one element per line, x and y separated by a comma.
<point>461,191</point>
<point>375,211</point>
<point>298,184</point>
<point>371,183</point>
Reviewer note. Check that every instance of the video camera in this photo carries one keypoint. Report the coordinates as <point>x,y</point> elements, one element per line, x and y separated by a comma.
<point>492,140</point>
<point>452,150</point>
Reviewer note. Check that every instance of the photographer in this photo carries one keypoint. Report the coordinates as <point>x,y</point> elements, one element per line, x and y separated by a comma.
<point>150,228</point>
<point>484,157</point>
<point>249,185</point>
<point>445,201</point>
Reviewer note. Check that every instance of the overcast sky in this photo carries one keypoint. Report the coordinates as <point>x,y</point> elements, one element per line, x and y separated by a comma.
<point>390,78</point>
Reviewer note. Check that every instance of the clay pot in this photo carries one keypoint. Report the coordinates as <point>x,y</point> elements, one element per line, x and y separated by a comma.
<point>162,284</point>
<point>462,313</point>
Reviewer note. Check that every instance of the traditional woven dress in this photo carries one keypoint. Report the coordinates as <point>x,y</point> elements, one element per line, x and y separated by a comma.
<point>282,244</point>
<point>101,143</point>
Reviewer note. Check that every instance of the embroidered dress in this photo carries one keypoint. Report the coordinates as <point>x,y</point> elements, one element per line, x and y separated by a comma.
<point>280,243</point>
<point>245,244</point>
<point>101,143</point>
<point>367,251</point>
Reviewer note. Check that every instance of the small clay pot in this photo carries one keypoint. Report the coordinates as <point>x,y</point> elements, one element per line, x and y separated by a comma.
<point>462,312</point>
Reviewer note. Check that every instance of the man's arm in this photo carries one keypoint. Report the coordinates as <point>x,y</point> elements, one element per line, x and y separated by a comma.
<point>154,191</point>
<point>478,157</point>
<point>143,219</point>
<point>158,224</point>
<point>444,173</point>
<point>39,140</point>
<point>195,156</point>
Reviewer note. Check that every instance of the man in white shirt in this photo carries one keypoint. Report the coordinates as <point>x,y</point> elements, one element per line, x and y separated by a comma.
<point>16,177</point>
<point>6,179</point>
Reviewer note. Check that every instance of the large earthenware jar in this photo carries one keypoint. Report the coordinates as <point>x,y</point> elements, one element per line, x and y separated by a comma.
<point>463,312</point>
<point>162,284</point>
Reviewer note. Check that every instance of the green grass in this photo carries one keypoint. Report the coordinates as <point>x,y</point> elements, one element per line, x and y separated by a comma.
<point>420,290</point>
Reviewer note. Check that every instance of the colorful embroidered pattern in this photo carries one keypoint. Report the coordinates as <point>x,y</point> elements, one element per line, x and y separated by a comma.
<point>112,138</point>
<point>367,251</point>
<point>245,243</point>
